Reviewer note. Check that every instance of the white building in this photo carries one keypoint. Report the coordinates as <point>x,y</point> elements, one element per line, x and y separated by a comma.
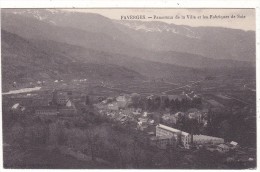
<point>162,141</point>
<point>203,139</point>
<point>113,106</point>
<point>163,130</point>
<point>169,118</point>
<point>194,113</point>
<point>18,108</point>
<point>121,99</point>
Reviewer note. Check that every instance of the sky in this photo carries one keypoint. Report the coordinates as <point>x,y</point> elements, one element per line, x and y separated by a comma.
<point>245,22</point>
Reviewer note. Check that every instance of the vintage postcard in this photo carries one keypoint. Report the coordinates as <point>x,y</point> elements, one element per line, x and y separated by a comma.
<point>128,88</point>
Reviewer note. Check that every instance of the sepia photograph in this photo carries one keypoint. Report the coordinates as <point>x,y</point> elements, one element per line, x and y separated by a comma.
<point>128,88</point>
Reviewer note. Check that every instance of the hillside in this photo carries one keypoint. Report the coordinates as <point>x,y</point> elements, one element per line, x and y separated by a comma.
<point>50,44</point>
<point>142,66</point>
<point>155,41</point>
<point>24,61</point>
<point>211,42</point>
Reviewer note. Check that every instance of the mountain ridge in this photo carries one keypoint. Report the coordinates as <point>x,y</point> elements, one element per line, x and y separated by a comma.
<point>49,46</point>
<point>24,61</point>
<point>211,42</point>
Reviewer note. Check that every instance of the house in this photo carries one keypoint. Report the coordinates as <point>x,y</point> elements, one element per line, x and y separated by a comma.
<point>110,99</point>
<point>113,106</point>
<point>123,119</point>
<point>211,148</point>
<point>150,97</point>
<point>151,121</point>
<point>143,120</point>
<point>111,114</point>
<point>15,106</point>
<point>180,136</point>
<point>46,112</point>
<point>235,144</point>
<point>67,111</point>
<point>142,126</point>
<point>194,113</point>
<point>169,118</point>
<point>18,108</point>
<point>122,104</point>
<point>137,111</point>
<point>59,98</point>
<point>135,97</point>
<point>223,148</point>
<point>122,101</point>
<point>205,111</point>
<point>121,98</point>
<point>179,115</point>
<point>147,114</point>
<point>203,139</point>
<point>166,117</point>
<point>120,116</point>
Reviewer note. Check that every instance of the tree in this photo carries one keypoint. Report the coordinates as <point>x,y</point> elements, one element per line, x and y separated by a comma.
<point>94,142</point>
<point>135,153</point>
<point>17,133</point>
<point>149,104</point>
<point>62,138</point>
<point>167,102</point>
<point>173,156</point>
<point>37,134</point>
<point>87,101</point>
<point>192,127</point>
<point>206,159</point>
<point>224,130</point>
<point>136,98</point>
<point>196,102</point>
<point>181,122</point>
<point>149,163</point>
<point>157,103</point>
<point>118,147</point>
<point>57,134</point>
<point>184,104</point>
<point>172,105</point>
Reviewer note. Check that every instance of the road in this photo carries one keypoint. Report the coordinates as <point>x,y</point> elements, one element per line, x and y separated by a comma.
<point>237,99</point>
<point>164,92</point>
<point>251,89</point>
<point>188,85</point>
<point>23,90</point>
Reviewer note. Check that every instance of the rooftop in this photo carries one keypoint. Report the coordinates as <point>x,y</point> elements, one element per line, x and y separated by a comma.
<point>195,137</point>
<point>172,129</point>
<point>15,106</point>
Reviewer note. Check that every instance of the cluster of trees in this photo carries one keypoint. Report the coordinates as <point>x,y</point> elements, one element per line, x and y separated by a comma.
<point>174,104</point>
<point>182,105</point>
<point>37,133</point>
<point>98,141</point>
<point>232,125</point>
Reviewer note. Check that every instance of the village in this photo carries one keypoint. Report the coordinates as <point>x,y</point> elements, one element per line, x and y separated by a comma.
<point>162,122</point>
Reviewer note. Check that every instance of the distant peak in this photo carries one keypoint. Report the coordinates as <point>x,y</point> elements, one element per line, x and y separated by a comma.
<point>157,26</point>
